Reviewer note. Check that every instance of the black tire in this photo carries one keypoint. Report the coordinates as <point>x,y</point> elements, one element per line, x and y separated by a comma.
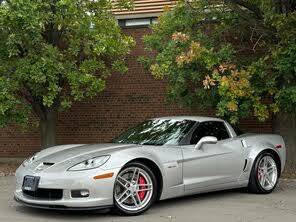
<point>254,185</point>
<point>121,211</point>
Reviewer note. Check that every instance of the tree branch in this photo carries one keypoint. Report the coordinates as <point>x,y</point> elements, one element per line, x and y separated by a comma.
<point>241,12</point>
<point>251,7</point>
<point>249,17</point>
<point>26,94</point>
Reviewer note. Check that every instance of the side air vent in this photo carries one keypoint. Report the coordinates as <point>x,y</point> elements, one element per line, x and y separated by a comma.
<point>244,144</point>
<point>246,163</point>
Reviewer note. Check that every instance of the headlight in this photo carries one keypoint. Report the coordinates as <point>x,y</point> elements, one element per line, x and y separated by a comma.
<point>29,160</point>
<point>90,163</point>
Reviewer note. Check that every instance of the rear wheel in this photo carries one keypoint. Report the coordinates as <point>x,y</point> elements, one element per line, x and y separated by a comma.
<point>264,175</point>
<point>135,189</point>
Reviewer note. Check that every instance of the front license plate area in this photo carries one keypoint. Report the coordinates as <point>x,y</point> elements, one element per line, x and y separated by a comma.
<point>30,183</point>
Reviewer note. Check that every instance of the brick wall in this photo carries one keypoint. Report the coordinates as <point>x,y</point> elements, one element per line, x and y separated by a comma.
<point>128,99</point>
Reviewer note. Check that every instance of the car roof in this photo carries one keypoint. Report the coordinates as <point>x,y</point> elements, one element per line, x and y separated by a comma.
<point>194,118</point>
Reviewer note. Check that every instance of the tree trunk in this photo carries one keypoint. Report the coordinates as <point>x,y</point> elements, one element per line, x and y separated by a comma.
<point>48,128</point>
<point>285,125</point>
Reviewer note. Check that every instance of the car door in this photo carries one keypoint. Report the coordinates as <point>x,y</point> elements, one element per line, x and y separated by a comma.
<point>214,163</point>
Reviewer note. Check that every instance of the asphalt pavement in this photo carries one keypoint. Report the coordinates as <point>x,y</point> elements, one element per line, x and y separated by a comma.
<point>232,205</point>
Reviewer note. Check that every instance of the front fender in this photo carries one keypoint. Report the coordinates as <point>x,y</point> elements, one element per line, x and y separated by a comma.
<point>167,159</point>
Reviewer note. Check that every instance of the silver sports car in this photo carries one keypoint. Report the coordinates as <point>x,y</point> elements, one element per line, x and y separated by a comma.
<point>158,159</point>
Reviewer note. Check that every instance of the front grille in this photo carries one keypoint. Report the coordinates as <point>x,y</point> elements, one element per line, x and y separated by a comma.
<point>45,194</point>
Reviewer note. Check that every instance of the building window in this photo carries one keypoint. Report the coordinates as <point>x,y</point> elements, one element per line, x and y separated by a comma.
<point>137,22</point>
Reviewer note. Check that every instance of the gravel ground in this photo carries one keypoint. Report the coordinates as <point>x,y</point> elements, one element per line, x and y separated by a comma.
<point>8,169</point>
<point>233,205</point>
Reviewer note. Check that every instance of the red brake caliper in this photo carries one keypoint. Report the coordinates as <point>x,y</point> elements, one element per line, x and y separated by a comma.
<point>259,174</point>
<point>142,193</point>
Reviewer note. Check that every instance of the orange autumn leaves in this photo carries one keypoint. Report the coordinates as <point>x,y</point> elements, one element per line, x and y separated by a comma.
<point>194,52</point>
<point>234,87</point>
<point>179,37</point>
<point>237,81</point>
<point>233,84</point>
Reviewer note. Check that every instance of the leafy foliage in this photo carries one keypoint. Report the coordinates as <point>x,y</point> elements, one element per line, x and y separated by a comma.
<point>54,52</point>
<point>237,56</point>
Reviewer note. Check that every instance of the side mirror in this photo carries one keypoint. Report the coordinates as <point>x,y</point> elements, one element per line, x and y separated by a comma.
<point>206,140</point>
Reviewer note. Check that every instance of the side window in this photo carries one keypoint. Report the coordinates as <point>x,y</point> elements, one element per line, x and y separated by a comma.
<point>203,129</point>
<point>220,130</point>
<point>211,128</point>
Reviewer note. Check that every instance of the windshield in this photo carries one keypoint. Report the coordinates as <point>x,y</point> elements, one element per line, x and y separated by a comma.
<point>156,132</point>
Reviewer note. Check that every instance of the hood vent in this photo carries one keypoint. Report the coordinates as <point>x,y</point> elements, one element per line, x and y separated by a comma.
<point>47,164</point>
<point>43,166</point>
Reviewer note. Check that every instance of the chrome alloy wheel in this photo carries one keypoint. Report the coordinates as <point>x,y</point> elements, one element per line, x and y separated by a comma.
<point>133,189</point>
<point>267,173</point>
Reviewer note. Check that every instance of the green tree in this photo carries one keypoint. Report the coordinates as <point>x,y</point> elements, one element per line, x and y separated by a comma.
<point>238,56</point>
<point>53,53</point>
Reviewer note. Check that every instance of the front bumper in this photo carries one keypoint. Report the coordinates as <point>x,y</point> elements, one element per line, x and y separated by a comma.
<point>100,191</point>
<point>61,207</point>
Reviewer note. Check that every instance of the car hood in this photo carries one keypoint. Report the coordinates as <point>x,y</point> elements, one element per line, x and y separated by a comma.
<point>78,152</point>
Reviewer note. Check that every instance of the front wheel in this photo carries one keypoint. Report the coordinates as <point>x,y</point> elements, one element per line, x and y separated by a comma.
<point>135,189</point>
<point>264,175</point>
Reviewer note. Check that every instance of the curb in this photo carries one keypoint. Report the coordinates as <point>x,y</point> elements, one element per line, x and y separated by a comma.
<point>2,174</point>
<point>287,180</point>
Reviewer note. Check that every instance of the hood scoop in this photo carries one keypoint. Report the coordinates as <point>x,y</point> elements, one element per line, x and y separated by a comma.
<point>47,164</point>
<point>43,166</point>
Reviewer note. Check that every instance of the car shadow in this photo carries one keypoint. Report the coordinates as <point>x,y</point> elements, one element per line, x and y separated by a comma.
<point>200,198</point>
<point>107,213</point>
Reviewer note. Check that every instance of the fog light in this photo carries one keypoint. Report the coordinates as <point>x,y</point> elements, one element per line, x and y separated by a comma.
<point>79,193</point>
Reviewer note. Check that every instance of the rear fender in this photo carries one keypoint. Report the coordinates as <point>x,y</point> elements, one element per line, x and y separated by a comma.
<point>252,152</point>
